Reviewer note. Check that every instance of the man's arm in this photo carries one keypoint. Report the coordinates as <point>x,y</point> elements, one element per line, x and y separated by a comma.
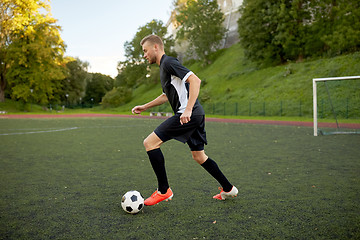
<point>156,102</point>
<point>194,90</point>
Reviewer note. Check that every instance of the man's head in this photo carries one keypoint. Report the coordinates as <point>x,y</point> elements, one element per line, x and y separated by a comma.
<point>153,48</point>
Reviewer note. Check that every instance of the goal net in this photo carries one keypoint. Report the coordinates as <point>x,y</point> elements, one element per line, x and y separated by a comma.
<point>336,103</point>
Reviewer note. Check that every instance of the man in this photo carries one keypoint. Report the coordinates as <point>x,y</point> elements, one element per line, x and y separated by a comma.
<point>181,88</point>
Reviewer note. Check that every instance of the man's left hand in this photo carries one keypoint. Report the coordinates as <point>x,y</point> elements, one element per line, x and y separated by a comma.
<point>185,117</point>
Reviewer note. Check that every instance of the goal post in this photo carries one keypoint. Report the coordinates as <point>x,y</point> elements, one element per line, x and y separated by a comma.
<point>315,97</point>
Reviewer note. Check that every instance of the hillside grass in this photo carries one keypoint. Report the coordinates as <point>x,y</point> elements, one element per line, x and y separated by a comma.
<point>233,85</point>
<point>232,78</point>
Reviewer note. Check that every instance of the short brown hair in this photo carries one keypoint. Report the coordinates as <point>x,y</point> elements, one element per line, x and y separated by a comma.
<point>154,39</point>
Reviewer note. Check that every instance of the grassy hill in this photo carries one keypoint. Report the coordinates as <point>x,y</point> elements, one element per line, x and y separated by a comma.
<point>232,85</point>
<point>235,86</point>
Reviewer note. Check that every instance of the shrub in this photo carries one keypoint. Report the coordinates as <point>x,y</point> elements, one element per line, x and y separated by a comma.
<point>116,97</point>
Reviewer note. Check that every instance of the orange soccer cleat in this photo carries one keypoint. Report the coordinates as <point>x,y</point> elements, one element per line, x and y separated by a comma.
<point>157,197</point>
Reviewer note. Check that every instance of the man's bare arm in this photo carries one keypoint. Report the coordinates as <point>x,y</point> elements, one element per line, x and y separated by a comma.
<point>156,102</point>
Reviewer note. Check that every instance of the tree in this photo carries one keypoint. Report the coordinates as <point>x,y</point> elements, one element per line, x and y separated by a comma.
<point>201,24</point>
<point>98,85</point>
<point>35,63</point>
<point>131,74</point>
<point>293,19</point>
<point>12,18</point>
<point>134,70</point>
<point>337,25</point>
<point>257,25</point>
<point>73,86</point>
<point>116,97</point>
<point>273,32</point>
<point>133,50</point>
<point>31,51</point>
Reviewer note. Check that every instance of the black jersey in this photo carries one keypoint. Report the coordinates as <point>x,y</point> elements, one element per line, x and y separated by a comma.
<point>173,78</point>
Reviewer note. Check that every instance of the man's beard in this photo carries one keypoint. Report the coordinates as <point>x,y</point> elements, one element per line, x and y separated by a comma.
<point>152,60</point>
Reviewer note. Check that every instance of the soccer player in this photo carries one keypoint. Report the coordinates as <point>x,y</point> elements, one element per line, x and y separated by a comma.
<point>180,88</point>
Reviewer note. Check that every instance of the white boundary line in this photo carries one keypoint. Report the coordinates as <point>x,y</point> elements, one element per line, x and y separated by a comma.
<point>315,80</point>
<point>48,131</point>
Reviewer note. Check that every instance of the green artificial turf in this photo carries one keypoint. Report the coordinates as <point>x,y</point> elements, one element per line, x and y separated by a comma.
<point>64,178</point>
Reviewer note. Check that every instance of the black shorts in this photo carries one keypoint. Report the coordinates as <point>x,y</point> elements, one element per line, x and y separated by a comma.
<point>193,133</point>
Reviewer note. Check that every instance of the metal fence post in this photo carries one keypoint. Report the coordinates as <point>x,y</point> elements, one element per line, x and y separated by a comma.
<point>250,108</point>
<point>264,110</point>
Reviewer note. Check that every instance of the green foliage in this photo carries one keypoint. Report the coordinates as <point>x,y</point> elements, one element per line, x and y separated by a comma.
<point>97,86</point>
<point>133,50</point>
<point>232,78</point>
<point>339,26</point>
<point>75,82</point>
<point>31,51</point>
<point>134,71</point>
<point>116,97</point>
<point>274,32</point>
<point>200,23</point>
<point>14,16</point>
<point>131,74</point>
<point>34,64</point>
<point>11,106</point>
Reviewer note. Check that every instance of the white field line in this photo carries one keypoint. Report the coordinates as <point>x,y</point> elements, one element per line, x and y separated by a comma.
<point>41,130</point>
<point>47,131</point>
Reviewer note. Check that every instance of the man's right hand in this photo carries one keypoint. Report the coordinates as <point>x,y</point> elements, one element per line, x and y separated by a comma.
<point>138,109</point>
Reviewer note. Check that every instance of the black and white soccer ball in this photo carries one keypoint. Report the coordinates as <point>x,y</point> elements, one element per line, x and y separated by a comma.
<point>132,202</point>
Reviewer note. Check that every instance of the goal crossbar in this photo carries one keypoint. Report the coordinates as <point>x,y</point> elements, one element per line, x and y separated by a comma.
<point>315,80</point>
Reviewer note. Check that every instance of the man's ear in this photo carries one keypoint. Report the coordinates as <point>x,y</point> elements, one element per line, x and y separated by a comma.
<point>156,47</point>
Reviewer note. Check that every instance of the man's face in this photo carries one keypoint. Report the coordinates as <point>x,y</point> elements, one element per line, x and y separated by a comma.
<point>149,52</point>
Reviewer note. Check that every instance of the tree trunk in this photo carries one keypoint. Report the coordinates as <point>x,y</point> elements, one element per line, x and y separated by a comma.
<point>2,87</point>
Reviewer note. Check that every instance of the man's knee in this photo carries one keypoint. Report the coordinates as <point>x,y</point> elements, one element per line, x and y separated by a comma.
<point>199,156</point>
<point>152,142</point>
<point>146,143</point>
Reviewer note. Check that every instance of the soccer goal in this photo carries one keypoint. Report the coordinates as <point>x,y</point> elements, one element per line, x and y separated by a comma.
<point>336,98</point>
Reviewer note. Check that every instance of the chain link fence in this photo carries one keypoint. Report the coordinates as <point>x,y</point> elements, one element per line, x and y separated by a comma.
<point>344,108</point>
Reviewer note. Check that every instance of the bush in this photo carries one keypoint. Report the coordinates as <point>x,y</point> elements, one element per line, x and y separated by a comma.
<point>116,97</point>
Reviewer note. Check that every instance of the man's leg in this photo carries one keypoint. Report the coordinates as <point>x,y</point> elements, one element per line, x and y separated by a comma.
<point>211,167</point>
<point>152,145</point>
<point>152,142</point>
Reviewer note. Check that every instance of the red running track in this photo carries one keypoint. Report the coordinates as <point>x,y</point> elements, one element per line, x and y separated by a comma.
<point>247,121</point>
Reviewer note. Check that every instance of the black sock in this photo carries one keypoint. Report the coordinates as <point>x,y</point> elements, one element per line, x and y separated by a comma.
<point>211,166</point>
<point>158,164</point>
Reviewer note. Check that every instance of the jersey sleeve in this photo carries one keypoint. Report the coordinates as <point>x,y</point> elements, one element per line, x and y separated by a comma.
<point>175,68</point>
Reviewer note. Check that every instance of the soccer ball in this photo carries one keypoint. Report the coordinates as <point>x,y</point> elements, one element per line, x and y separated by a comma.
<point>132,202</point>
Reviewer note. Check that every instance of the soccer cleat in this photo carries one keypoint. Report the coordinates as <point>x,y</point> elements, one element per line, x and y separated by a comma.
<point>157,197</point>
<point>225,195</point>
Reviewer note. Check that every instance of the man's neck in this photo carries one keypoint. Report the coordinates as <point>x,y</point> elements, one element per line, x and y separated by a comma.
<point>160,55</point>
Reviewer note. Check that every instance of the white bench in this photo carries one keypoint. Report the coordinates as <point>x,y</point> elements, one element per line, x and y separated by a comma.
<point>161,114</point>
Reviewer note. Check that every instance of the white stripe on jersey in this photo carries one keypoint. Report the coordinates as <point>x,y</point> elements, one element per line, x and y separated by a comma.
<point>187,76</point>
<point>181,90</point>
